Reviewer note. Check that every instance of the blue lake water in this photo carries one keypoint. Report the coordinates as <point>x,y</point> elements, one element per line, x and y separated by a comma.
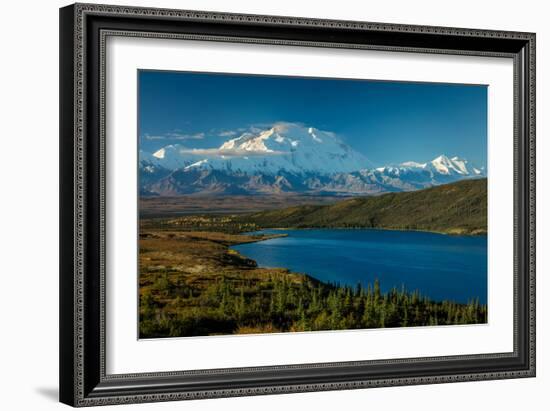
<point>442,267</point>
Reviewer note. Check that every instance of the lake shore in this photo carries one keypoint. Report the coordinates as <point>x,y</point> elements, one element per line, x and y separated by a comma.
<point>194,283</point>
<point>452,232</point>
<point>443,266</point>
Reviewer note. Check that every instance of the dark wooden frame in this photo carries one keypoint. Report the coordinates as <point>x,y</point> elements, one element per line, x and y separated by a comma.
<point>83,29</point>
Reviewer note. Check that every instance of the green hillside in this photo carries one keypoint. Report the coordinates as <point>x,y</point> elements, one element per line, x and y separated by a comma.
<point>457,208</point>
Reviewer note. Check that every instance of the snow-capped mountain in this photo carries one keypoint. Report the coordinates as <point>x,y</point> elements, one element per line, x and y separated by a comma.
<point>285,146</point>
<point>288,158</point>
<point>172,157</point>
<point>411,175</point>
<point>441,165</point>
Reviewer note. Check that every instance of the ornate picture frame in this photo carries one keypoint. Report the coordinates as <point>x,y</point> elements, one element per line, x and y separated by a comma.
<point>84,29</point>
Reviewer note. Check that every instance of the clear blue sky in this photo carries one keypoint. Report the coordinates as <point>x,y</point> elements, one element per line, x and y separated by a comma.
<point>389,122</point>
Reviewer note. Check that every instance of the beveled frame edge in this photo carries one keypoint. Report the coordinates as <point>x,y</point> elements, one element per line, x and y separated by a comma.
<point>73,371</point>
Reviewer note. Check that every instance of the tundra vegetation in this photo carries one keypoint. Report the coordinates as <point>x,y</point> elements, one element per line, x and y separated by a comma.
<point>192,283</point>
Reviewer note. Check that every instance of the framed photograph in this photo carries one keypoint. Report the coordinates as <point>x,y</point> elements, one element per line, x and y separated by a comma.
<point>261,204</point>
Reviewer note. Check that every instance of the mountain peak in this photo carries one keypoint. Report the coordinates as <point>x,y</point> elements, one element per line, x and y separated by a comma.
<point>160,153</point>
<point>291,147</point>
<point>249,142</point>
<point>446,165</point>
<point>442,158</point>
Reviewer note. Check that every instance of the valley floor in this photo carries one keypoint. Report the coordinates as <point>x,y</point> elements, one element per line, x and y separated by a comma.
<point>165,207</point>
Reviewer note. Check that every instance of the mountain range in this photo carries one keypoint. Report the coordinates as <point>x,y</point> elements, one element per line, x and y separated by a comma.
<point>288,158</point>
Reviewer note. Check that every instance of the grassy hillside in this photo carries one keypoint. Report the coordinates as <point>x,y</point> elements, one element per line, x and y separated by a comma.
<point>458,208</point>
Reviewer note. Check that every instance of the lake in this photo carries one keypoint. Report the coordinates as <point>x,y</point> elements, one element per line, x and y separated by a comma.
<point>442,267</point>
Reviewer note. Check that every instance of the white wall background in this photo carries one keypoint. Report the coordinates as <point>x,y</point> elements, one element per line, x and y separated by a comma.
<point>29,206</point>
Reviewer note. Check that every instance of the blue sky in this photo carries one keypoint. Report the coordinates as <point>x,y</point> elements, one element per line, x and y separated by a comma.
<point>388,122</point>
